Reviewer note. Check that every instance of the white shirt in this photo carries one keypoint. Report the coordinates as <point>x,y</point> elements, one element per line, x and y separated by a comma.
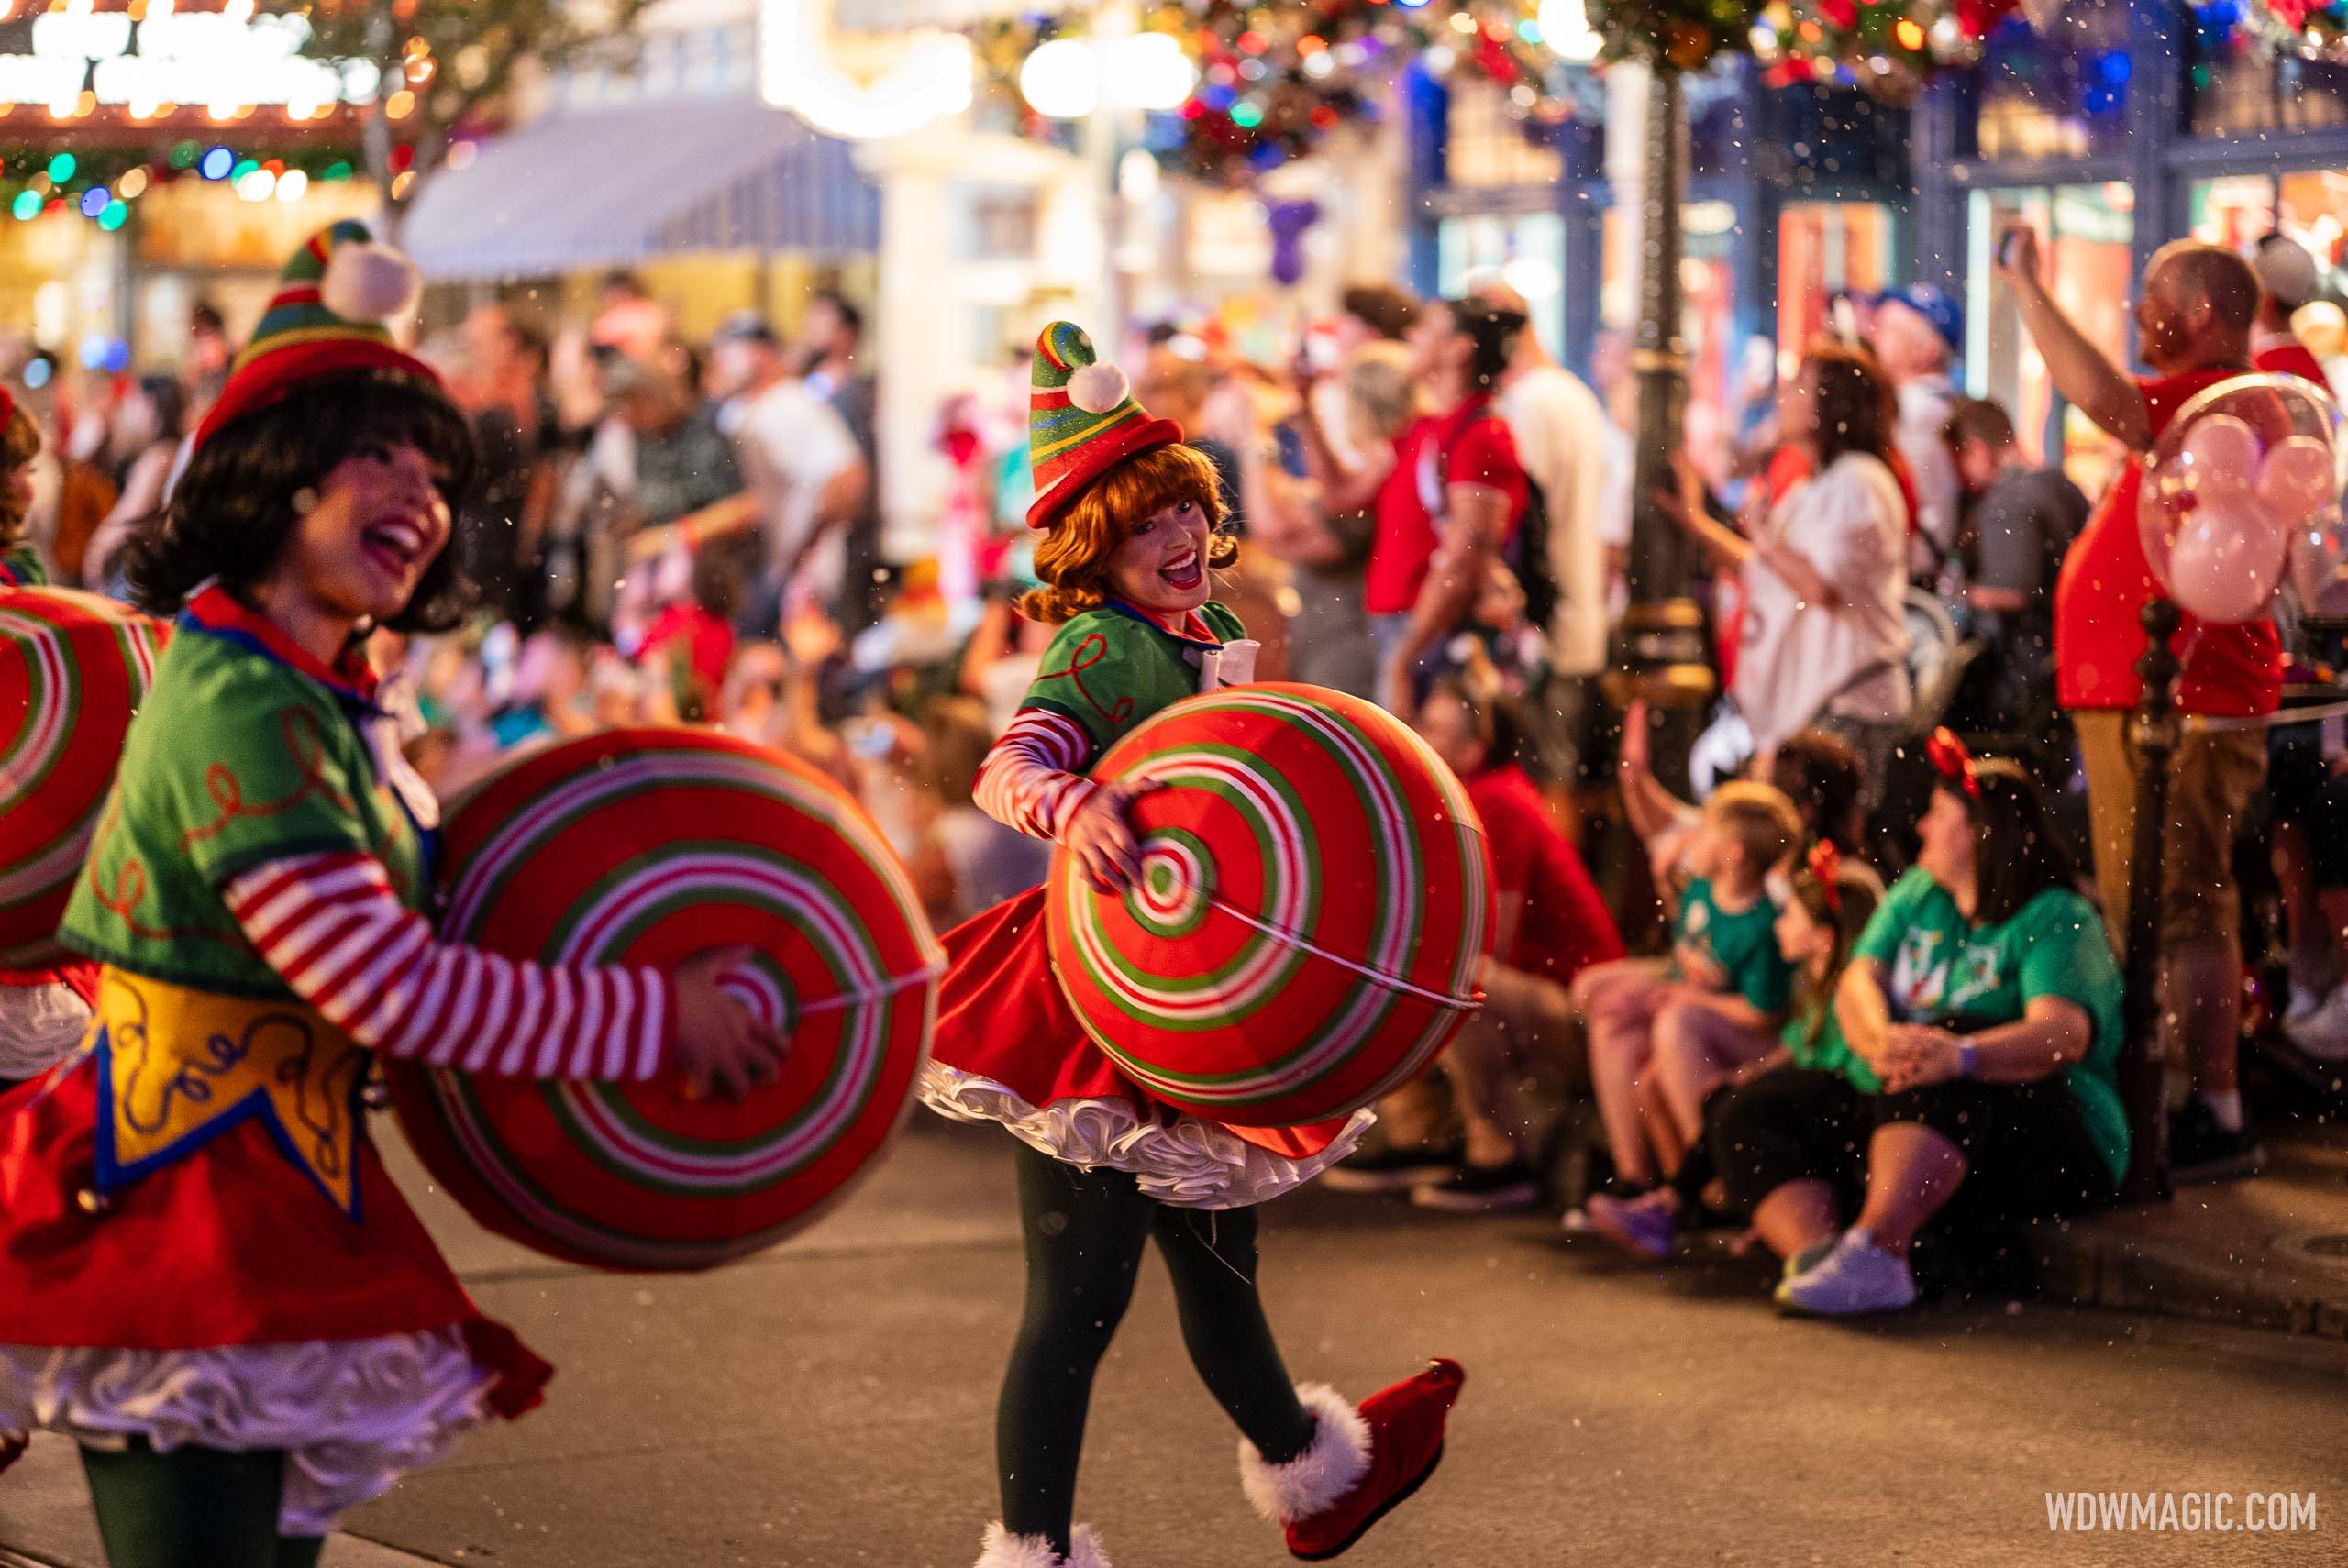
<point>1560,432</point>
<point>1799,662</point>
<point>1924,406</point>
<point>792,445</point>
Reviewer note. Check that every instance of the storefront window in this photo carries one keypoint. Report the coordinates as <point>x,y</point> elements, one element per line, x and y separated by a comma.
<point>2309,205</point>
<point>1709,236</point>
<point>2058,93</point>
<point>1527,250</point>
<point>1825,249</point>
<point>2237,86</point>
<point>2088,232</point>
<point>1486,144</point>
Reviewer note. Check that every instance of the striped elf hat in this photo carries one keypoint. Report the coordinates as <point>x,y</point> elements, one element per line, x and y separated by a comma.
<point>1082,421</point>
<point>326,319</point>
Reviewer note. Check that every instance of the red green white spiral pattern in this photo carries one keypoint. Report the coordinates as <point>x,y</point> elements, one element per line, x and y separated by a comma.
<point>73,668</point>
<point>644,847</point>
<point>1315,901</point>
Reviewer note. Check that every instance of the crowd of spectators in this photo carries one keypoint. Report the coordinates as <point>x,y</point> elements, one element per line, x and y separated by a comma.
<point>1860,1002</point>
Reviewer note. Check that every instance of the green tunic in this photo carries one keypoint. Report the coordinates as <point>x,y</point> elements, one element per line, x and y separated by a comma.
<point>235,759</point>
<point>1110,668</point>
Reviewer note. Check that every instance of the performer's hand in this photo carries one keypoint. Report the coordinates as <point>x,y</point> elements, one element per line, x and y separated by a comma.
<point>1101,838</point>
<point>720,1045</point>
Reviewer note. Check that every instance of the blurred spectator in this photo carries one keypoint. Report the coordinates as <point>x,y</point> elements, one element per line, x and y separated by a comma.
<point>2193,317</point>
<point>2323,327</point>
<point>1453,500</point>
<point>1724,965</point>
<point>1559,431</point>
<point>691,640</point>
<point>630,321</point>
<point>1824,639</point>
<point>1824,910</point>
<point>965,861</point>
<point>20,445</point>
<point>150,423</point>
<point>1918,331</point>
<point>2288,280</point>
<point>1508,1068</point>
<point>1368,314</point>
<point>808,479</point>
<point>1321,527</point>
<point>499,536</point>
<point>831,338</point>
<point>1981,1013</point>
<point>2020,522</point>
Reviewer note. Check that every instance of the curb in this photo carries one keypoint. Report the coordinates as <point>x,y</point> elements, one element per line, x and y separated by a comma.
<point>2077,1267</point>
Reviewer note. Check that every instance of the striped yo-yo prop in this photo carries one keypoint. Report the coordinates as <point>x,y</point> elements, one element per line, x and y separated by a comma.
<point>645,847</point>
<point>1314,900</point>
<point>73,668</point>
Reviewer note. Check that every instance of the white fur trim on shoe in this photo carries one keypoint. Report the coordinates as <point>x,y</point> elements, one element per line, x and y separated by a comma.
<point>1001,1549</point>
<point>1314,1481</point>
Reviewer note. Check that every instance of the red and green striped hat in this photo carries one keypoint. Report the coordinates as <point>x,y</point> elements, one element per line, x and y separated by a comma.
<point>327,319</point>
<point>1082,421</point>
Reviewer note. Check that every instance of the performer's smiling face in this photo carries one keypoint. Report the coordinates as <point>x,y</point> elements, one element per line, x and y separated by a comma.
<point>1162,565</point>
<point>379,520</point>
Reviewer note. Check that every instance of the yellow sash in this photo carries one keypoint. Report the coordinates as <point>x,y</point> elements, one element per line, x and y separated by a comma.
<point>177,1067</point>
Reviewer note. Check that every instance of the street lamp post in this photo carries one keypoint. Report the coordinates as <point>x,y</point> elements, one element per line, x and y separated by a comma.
<point>1660,652</point>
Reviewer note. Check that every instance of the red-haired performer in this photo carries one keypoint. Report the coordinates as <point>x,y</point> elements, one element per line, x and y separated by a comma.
<point>1129,516</point>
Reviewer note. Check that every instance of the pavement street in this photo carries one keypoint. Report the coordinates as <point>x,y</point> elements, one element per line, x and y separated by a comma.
<point>830,1405</point>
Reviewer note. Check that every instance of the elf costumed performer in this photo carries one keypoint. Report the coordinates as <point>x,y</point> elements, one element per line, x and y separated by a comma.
<point>42,1011</point>
<point>1128,516</point>
<point>208,1279</point>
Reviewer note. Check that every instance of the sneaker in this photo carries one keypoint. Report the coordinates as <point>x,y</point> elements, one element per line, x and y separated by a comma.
<point>1482,1189</point>
<point>2323,1030</point>
<point>1390,1169</point>
<point>1855,1277</point>
<point>2200,1150</point>
<point>1644,1226</point>
<point>1808,1258</point>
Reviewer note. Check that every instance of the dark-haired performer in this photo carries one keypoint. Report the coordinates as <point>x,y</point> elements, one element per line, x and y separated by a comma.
<point>207,1278</point>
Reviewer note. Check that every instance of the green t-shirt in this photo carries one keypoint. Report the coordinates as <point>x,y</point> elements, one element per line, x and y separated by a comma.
<point>1744,944</point>
<point>1829,1052</point>
<point>1110,668</point>
<point>22,567</point>
<point>235,758</point>
<point>1945,971</point>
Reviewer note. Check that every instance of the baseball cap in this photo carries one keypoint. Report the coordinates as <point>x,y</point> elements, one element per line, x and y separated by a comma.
<point>1945,314</point>
<point>745,327</point>
<point>2286,271</point>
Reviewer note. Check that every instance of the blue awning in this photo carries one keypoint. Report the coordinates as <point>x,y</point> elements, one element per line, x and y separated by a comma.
<point>617,186</point>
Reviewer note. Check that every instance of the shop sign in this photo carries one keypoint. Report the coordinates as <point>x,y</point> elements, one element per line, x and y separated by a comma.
<point>221,59</point>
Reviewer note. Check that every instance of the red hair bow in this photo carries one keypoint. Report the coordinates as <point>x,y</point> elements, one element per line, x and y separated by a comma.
<point>1826,867</point>
<point>1955,763</point>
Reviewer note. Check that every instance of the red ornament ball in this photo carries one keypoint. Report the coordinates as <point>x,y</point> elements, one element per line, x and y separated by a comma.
<point>645,847</point>
<point>1314,901</point>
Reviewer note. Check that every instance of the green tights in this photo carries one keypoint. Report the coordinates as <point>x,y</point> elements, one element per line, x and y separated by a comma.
<point>193,1507</point>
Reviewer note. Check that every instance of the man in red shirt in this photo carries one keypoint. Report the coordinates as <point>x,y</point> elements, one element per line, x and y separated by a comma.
<point>1452,501</point>
<point>2194,316</point>
<point>1552,925</point>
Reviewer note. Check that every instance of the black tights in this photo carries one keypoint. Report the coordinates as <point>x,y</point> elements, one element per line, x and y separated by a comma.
<point>1084,1231</point>
<point>193,1507</point>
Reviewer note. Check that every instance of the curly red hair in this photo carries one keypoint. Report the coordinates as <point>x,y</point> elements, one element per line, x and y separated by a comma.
<point>1072,557</point>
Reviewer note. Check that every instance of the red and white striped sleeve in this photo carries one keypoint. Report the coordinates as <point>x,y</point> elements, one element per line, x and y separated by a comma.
<point>334,930</point>
<point>1030,778</point>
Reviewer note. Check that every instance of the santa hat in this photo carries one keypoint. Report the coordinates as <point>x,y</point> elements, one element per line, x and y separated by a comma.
<point>327,319</point>
<point>1082,421</point>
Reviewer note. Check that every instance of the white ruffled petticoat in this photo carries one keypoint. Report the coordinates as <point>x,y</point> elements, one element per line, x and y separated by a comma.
<point>352,1416</point>
<point>40,1027</point>
<point>1175,1159</point>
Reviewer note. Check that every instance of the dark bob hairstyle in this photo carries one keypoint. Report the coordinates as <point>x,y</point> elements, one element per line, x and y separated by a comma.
<point>230,512</point>
<point>2019,852</point>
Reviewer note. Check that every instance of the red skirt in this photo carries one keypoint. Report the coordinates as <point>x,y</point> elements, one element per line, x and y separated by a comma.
<point>1009,1049</point>
<point>230,1245</point>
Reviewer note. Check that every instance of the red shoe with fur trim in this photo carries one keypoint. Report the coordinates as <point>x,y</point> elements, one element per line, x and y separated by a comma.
<point>1362,1466</point>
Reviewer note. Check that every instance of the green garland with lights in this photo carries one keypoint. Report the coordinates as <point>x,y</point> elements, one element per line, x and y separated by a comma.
<point>103,184</point>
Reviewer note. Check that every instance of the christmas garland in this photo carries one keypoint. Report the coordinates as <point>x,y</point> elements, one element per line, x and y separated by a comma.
<point>101,183</point>
<point>1275,80</point>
